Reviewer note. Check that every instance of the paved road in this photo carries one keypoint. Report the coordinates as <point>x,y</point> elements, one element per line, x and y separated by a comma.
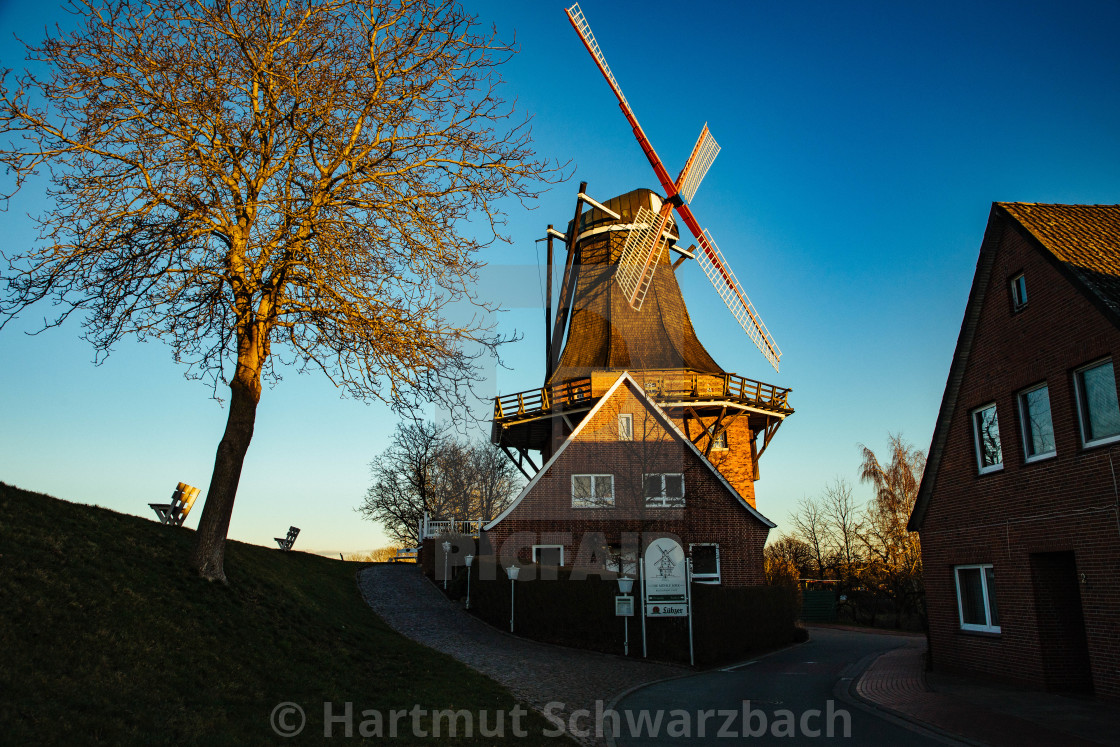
<point>794,698</point>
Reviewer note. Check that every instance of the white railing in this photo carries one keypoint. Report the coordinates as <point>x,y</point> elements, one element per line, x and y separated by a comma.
<point>434,528</point>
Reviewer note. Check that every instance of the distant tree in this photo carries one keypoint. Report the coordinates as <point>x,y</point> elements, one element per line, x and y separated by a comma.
<point>811,526</point>
<point>425,470</point>
<point>257,181</point>
<point>894,554</point>
<point>786,561</point>
<point>843,517</point>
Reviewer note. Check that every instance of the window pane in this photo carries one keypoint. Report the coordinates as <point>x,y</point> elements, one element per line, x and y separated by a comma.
<point>625,428</point>
<point>704,559</point>
<point>972,596</point>
<point>1039,427</point>
<point>1098,391</point>
<point>674,486</point>
<point>993,611</point>
<point>548,556</point>
<point>604,488</point>
<point>987,433</point>
<point>653,486</point>
<point>581,487</point>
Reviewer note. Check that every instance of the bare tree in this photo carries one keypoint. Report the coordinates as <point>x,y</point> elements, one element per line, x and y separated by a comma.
<point>811,526</point>
<point>425,470</point>
<point>843,516</point>
<point>257,181</point>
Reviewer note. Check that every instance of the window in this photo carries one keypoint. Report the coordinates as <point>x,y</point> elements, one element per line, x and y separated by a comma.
<point>624,562</point>
<point>976,598</point>
<point>720,441</point>
<point>985,430</point>
<point>1019,291</point>
<point>665,490</point>
<point>625,427</point>
<point>1096,404</point>
<point>1038,428</point>
<point>548,554</point>
<point>705,562</point>
<point>592,491</point>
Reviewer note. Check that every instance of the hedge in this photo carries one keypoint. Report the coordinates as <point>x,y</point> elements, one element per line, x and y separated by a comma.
<point>729,624</point>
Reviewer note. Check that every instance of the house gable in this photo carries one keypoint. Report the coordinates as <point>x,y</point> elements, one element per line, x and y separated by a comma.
<point>1068,281</point>
<point>658,446</point>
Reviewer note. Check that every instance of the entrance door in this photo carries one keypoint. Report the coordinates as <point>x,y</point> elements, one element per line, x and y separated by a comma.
<point>1061,622</point>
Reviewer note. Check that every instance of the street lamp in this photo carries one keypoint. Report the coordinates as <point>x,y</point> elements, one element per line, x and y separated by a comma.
<point>446,552</point>
<point>625,585</point>
<point>468,560</point>
<point>512,571</point>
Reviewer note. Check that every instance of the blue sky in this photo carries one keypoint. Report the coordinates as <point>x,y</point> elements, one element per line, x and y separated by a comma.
<point>862,147</point>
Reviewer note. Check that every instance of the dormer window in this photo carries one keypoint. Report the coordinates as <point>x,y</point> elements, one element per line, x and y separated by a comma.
<point>1019,292</point>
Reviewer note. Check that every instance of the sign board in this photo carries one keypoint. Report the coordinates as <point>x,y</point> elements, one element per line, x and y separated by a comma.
<point>666,578</point>
<point>624,606</point>
<point>667,609</point>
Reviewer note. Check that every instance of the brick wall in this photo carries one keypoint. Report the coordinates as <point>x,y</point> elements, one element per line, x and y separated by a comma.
<point>1065,503</point>
<point>711,512</point>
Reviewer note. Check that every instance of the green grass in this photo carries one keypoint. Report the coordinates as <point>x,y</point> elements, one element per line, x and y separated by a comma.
<point>107,636</point>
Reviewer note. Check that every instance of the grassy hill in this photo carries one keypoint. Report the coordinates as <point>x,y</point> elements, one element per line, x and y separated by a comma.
<point>107,636</point>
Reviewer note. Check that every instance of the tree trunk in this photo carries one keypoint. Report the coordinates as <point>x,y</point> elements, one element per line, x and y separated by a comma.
<point>209,553</point>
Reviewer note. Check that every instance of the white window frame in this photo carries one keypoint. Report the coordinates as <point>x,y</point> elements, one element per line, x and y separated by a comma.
<point>982,567</point>
<point>1019,292</point>
<point>716,439</point>
<point>1025,425</point>
<point>1079,396</point>
<point>662,501</point>
<point>706,578</point>
<point>972,417</point>
<point>594,501</point>
<point>626,427</point>
<point>548,547</point>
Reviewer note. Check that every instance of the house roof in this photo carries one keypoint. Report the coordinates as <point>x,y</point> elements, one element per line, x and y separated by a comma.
<point>1081,241</point>
<point>666,422</point>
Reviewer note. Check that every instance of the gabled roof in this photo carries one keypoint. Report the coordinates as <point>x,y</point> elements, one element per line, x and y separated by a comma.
<point>639,392</point>
<point>1081,241</point>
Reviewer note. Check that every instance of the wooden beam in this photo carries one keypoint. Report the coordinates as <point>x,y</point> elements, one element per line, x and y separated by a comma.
<point>516,462</point>
<point>548,313</point>
<point>567,292</point>
<point>712,433</point>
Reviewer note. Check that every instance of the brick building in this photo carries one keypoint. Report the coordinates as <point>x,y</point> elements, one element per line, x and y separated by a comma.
<point>629,470</point>
<point>638,429</point>
<point>1018,511</point>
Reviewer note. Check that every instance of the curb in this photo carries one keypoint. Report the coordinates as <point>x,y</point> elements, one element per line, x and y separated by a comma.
<point>846,690</point>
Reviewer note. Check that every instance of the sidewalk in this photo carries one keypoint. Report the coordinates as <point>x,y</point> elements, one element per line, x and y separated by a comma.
<point>560,680</point>
<point>982,712</point>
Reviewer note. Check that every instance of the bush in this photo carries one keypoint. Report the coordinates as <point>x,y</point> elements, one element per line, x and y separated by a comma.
<point>728,623</point>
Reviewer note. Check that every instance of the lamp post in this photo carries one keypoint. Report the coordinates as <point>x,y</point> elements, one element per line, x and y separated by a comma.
<point>468,560</point>
<point>625,585</point>
<point>446,552</point>
<point>512,571</point>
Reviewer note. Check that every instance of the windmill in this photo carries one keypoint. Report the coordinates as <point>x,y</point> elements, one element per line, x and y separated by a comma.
<point>620,308</point>
<point>639,260</point>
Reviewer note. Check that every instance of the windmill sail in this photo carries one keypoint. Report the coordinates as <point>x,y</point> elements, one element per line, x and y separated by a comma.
<point>643,249</point>
<point>728,288</point>
<point>711,259</point>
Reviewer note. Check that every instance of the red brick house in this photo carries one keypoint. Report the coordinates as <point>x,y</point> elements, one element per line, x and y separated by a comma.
<point>627,469</point>
<point>1018,511</point>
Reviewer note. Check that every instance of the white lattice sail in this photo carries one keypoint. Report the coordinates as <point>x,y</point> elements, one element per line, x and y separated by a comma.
<point>703,153</point>
<point>640,255</point>
<point>728,288</point>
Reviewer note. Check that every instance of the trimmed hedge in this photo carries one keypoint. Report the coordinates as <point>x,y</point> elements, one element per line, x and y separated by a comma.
<point>728,623</point>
